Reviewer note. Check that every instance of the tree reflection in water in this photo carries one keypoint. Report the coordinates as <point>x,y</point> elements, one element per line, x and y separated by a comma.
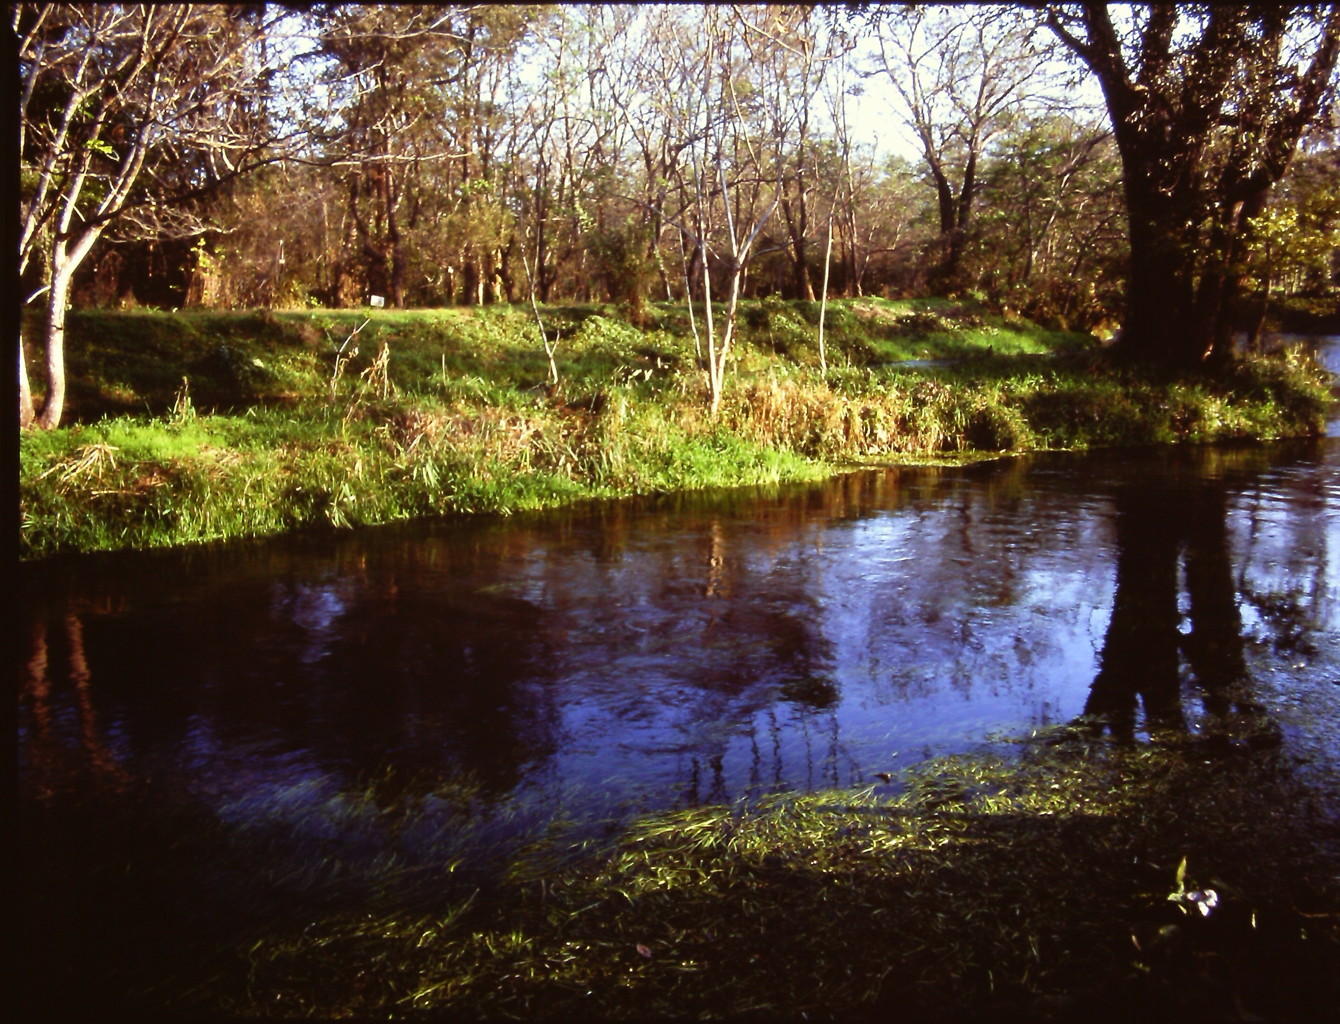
<point>343,721</point>
<point>1175,604</point>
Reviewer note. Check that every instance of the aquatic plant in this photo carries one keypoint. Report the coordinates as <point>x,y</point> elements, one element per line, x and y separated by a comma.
<point>998,885</point>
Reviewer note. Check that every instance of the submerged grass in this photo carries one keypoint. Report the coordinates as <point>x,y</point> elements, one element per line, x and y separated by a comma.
<point>1063,882</point>
<point>254,423</point>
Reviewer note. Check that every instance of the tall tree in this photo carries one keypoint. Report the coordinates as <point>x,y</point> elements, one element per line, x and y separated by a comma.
<point>383,68</point>
<point>1207,104</point>
<point>128,114</point>
<point>962,73</point>
<point>645,83</point>
<point>790,52</point>
<point>417,125</point>
<point>736,168</point>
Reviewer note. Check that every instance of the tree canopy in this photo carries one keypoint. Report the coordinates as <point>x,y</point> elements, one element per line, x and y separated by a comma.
<point>1207,104</point>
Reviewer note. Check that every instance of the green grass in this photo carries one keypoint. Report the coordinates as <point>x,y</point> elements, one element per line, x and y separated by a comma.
<point>1048,882</point>
<point>199,426</point>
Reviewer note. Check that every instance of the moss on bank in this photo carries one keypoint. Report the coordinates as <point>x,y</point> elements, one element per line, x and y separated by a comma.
<point>199,426</point>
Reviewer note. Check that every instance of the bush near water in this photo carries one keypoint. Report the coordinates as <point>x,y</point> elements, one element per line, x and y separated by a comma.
<point>198,426</point>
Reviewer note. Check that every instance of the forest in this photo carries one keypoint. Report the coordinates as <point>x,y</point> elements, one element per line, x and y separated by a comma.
<point>299,156</point>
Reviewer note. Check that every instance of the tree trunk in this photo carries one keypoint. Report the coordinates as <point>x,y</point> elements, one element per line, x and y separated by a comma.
<point>395,261</point>
<point>394,248</point>
<point>804,286</point>
<point>471,281</point>
<point>796,225</point>
<point>1259,325</point>
<point>27,414</point>
<point>855,269</point>
<point>1182,286</point>
<point>1153,294</point>
<point>57,298</point>
<point>1179,304</point>
<point>944,276</point>
<point>1160,290</point>
<point>823,302</point>
<point>1224,281</point>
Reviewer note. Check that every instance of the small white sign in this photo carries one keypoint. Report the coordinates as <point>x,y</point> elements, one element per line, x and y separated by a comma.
<point>376,301</point>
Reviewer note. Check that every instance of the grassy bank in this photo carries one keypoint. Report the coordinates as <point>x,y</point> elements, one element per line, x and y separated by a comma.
<point>198,426</point>
<point>1062,881</point>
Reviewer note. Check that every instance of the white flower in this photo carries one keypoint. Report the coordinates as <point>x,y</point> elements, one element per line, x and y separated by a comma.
<point>1205,901</point>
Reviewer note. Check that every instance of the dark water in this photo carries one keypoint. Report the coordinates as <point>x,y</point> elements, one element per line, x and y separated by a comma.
<point>403,699</point>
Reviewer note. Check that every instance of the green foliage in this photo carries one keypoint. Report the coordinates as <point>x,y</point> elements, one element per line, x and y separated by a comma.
<point>248,434</point>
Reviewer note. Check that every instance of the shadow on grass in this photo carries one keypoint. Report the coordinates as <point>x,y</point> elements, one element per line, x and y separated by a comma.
<point>1042,885</point>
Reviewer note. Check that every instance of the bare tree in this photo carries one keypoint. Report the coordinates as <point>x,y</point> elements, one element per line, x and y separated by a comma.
<point>962,74</point>
<point>645,82</point>
<point>128,113</point>
<point>734,170</point>
<point>789,53</point>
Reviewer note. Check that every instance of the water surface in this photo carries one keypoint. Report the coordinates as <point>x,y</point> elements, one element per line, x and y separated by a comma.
<point>415,698</point>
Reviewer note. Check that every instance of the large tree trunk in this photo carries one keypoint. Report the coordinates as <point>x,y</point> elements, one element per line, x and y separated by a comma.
<point>1159,291</point>
<point>1181,296</point>
<point>1182,287</point>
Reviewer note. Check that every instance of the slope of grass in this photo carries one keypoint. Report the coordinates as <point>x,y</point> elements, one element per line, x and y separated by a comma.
<point>198,426</point>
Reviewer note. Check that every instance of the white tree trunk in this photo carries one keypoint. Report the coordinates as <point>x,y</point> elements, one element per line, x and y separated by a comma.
<point>823,303</point>
<point>27,414</point>
<point>54,330</point>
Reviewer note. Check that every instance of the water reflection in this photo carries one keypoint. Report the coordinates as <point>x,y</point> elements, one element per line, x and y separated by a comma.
<point>1169,543</point>
<point>626,657</point>
<point>66,748</point>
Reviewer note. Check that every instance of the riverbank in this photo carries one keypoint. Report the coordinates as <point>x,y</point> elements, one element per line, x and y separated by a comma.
<point>198,426</point>
<point>1072,878</point>
<point>1077,879</point>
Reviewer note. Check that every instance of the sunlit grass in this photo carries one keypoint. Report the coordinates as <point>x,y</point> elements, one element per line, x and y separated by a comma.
<point>255,425</point>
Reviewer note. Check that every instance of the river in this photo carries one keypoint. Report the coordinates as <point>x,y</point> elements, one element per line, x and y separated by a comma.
<point>435,695</point>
